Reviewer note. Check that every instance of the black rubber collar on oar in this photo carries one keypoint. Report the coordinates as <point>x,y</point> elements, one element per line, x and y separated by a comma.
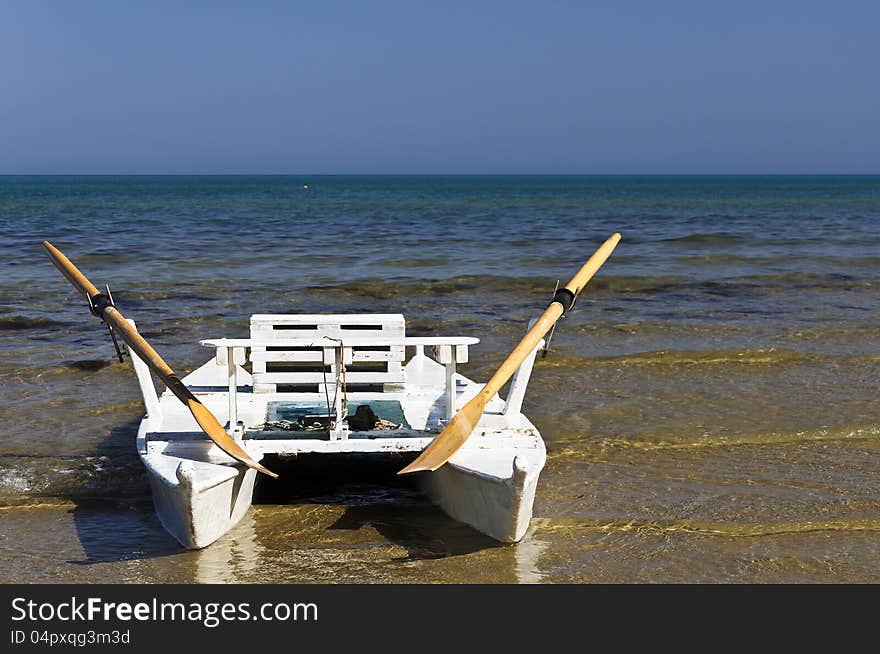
<point>565,298</point>
<point>100,303</point>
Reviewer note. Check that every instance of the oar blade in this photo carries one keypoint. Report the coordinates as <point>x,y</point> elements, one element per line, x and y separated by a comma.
<point>212,427</point>
<point>450,439</point>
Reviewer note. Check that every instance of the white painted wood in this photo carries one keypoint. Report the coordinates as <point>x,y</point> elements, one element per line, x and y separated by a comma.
<point>443,353</point>
<point>329,355</point>
<point>393,321</point>
<point>451,352</point>
<point>198,502</point>
<point>320,341</point>
<point>450,355</point>
<point>331,332</point>
<point>293,378</point>
<point>450,389</point>
<point>499,504</point>
<point>148,389</point>
<point>353,355</point>
<point>520,382</point>
<point>232,391</point>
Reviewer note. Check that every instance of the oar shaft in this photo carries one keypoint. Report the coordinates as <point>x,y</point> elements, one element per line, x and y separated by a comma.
<point>568,293</point>
<point>528,343</point>
<point>137,343</point>
<point>110,314</point>
<point>585,274</point>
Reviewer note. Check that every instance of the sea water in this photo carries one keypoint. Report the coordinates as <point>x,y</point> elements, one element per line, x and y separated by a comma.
<point>709,406</point>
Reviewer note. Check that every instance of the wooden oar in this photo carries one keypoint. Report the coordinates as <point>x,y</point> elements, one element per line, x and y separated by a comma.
<point>460,427</point>
<point>103,308</point>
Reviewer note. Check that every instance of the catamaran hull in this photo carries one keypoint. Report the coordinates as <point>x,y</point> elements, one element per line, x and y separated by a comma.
<point>500,507</point>
<point>198,502</point>
<point>194,507</point>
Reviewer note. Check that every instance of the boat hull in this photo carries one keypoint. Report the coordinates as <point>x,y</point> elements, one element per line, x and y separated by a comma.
<point>498,506</point>
<point>198,502</point>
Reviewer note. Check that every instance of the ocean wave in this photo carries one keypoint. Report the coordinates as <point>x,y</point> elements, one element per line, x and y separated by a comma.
<point>421,262</point>
<point>752,260</point>
<point>805,280</point>
<point>745,357</point>
<point>495,284</point>
<point>88,364</point>
<point>24,323</point>
<point>837,332</point>
<point>383,288</point>
<point>25,476</point>
<point>601,284</point>
<point>725,257</point>
<point>701,527</point>
<point>580,447</point>
<point>706,238</point>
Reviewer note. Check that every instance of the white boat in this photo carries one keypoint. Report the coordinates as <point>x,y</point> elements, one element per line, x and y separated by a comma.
<point>480,463</point>
<point>309,374</point>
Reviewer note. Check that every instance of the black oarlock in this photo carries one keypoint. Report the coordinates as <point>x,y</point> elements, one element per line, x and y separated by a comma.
<point>120,353</point>
<point>97,305</point>
<point>565,298</point>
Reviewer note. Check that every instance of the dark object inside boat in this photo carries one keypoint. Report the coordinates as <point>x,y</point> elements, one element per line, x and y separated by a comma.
<point>364,419</point>
<point>376,415</point>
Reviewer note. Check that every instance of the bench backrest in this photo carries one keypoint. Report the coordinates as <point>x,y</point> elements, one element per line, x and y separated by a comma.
<point>308,369</point>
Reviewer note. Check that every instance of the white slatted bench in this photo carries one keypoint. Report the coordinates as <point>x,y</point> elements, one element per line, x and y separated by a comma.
<point>278,367</point>
<point>309,347</point>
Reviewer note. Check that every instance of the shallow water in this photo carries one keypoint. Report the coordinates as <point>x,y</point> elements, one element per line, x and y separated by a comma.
<point>709,407</point>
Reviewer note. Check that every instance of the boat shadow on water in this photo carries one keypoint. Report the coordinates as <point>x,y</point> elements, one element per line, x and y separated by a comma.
<point>115,522</point>
<point>113,514</point>
<point>373,497</point>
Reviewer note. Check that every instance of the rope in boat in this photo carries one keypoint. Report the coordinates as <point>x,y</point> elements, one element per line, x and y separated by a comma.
<point>326,392</point>
<point>340,380</point>
<point>339,360</point>
<point>302,424</point>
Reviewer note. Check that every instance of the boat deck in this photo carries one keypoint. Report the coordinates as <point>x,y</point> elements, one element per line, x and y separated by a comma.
<point>421,404</point>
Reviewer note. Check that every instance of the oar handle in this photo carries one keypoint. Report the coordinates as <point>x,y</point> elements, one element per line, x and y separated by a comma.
<point>568,293</point>
<point>74,276</point>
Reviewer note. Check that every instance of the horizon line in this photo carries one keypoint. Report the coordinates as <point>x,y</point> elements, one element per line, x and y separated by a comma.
<point>445,174</point>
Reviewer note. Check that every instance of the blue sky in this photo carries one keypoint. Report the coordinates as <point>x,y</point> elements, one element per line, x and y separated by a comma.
<point>629,86</point>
